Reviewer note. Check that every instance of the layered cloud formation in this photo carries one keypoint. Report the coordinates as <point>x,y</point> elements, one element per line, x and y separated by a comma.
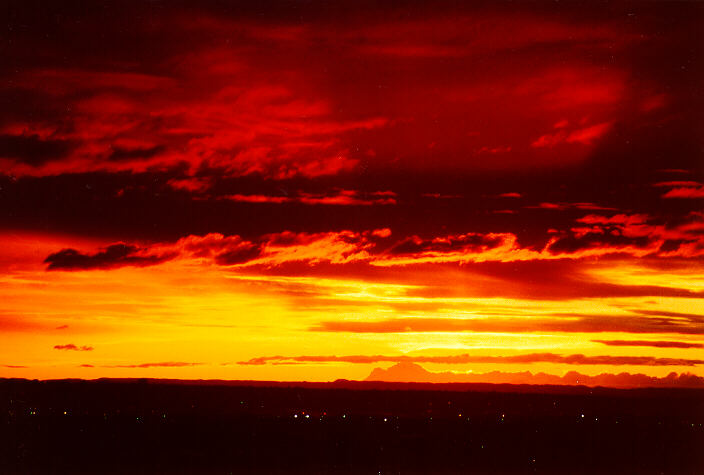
<point>201,185</point>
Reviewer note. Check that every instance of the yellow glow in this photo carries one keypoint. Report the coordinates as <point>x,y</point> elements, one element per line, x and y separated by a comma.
<point>186,311</point>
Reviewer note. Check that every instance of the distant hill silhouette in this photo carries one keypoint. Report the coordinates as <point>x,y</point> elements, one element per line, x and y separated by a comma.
<point>411,372</point>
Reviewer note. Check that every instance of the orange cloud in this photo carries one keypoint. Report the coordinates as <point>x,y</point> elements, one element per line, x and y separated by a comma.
<point>73,347</point>
<point>115,255</point>
<point>655,344</point>
<point>564,324</point>
<point>165,364</point>
<point>619,234</point>
<point>577,359</point>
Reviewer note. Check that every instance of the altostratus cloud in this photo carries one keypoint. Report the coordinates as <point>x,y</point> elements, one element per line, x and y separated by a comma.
<point>682,189</point>
<point>569,323</point>
<point>595,236</point>
<point>576,359</point>
<point>115,255</point>
<point>339,198</point>
<point>72,347</point>
<point>164,364</point>
<point>655,344</point>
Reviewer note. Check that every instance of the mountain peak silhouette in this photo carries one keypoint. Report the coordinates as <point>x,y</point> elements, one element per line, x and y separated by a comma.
<point>402,372</point>
<point>409,372</point>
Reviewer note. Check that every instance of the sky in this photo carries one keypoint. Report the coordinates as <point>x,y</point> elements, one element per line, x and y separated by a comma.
<point>311,190</point>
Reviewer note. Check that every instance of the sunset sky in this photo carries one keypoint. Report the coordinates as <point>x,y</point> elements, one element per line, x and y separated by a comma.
<point>311,190</point>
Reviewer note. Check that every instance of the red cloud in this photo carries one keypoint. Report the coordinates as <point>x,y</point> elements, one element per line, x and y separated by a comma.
<point>563,206</point>
<point>683,239</point>
<point>191,185</point>
<point>341,197</point>
<point>115,255</point>
<point>682,189</point>
<point>620,219</point>
<point>685,193</point>
<point>239,128</point>
<point>510,195</point>
<point>494,150</point>
<point>679,183</point>
<point>583,136</point>
<point>618,234</point>
<point>259,198</point>
<point>269,250</point>
<point>276,249</point>
<point>243,104</point>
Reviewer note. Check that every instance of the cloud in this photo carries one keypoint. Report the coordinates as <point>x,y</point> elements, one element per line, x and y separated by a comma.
<point>237,127</point>
<point>692,317</point>
<point>58,82</point>
<point>504,247</point>
<point>576,359</point>
<point>564,323</point>
<point>194,185</point>
<point>259,199</point>
<point>115,255</point>
<point>279,248</point>
<point>411,372</point>
<point>440,196</point>
<point>565,206</point>
<point>617,219</point>
<point>339,198</point>
<point>679,183</point>
<point>635,234</point>
<point>164,364</point>
<point>33,149</point>
<point>269,250</point>
<point>687,193</point>
<point>121,153</point>
<point>72,347</point>
<point>463,243</point>
<point>620,234</point>
<point>682,189</point>
<point>655,344</point>
<point>221,101</point>
<point>584,136</point>
<point>241,254</point>
<point>597,240</point>
<point>494,150</point>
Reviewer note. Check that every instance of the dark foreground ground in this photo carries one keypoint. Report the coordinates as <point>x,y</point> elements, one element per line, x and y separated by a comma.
<point>144,426</point>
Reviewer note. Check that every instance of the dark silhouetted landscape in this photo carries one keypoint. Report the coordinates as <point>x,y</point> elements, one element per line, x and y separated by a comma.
<point>171,426</point>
